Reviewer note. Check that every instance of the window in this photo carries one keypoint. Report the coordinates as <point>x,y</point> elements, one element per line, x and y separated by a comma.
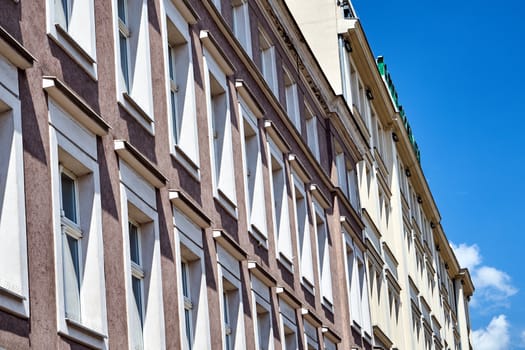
<point>292,100</point>
<point>77,218</point>
<point>357,285</point>
<point>323,251</point>
<point>14,289</point>
<point>71,243</point>
<point>193,303</point>
<point>311,133</point>
<point>289,327</point>
<point>181,90</point>
<point>142,260</point>
<point>71,24</point>
<point>231,301</point>
<point>217,94</point>
<point>353,89</point>
<point>262,315</point>
<point>241,24</point>
<point>134,90</point>
<point>268,64</point>
<point>280,205</point>
<point>253,173</point>
<point>310,336</point>
<point>347,177</point>
<point>302,225</point>
<point>329,345</point>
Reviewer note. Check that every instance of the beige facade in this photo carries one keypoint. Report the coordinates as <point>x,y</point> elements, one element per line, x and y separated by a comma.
<point>418,293</point>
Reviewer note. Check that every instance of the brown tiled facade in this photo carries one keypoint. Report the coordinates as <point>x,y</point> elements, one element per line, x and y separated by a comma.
<point>169,206</point>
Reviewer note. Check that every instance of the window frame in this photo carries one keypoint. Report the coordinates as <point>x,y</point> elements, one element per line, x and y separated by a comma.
<point>223,179</point>
<point>134,93</point>
<point>14,280</point>
<point>254,200</point>
<point>268,61</point>
<point>138,204</point>
<point>189,252</point>
<point>77,40</point>
<point>178,58</point>
<point>79,162</point>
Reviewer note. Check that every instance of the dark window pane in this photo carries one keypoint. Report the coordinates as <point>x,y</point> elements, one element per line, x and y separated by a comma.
<point>134,250</point>
<point>69,198</point>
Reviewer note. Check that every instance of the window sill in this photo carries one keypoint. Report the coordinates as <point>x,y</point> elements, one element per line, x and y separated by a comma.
<point>132,107</point>
<point>182,158</point>
<point>83,334</point>
<point>62,38</point>
<point>13,302</point>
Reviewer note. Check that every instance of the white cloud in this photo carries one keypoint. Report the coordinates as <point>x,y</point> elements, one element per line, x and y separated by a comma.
<point>494,337</point>
<point>487,277</point>
<point>493,286</point>
<point>468,256</point>
<point>522,338</point>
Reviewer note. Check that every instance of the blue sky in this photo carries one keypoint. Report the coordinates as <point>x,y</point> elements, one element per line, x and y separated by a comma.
<point>457,67</point>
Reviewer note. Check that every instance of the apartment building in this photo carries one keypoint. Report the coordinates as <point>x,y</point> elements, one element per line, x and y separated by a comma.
<point>418,293</point>
<point>186,175</point>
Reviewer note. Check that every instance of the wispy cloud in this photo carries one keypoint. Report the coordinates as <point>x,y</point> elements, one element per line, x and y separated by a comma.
<point>468,255</point>
<point>522,339</point>
<point>494,337</point>
<point>493,286</point>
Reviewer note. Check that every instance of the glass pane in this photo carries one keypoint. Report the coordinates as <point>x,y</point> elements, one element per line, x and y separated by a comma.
<point>69,198</point>
<point>134,249</point>
<point>170,63</point>
<point>73,250</point>
<point>184,271</point>
<point>122,10</point>
<point>124,59</point>
<point>71,270</point>
<point>174,116</point>
<point>187,320</point>
<point>137,294</point>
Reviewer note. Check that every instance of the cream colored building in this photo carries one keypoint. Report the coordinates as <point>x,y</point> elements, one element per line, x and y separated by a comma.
<point>418,294</point>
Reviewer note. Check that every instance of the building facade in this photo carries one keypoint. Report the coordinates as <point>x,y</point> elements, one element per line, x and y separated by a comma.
<point>189,175</point>
<point>418,293</point>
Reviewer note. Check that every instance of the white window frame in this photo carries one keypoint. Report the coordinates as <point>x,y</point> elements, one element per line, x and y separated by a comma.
<point>281,220</point>
<point>261,301</point>
<point>223,178</point>
<point>138,205</point>
<point>254,188</point>
<point>311,338</point>
<point>357,285</point>
<point>292,100</point>
<point>323,254</point>
<point>241,24</point>
<point>14,285</point>
<point>79,161</point>
<point>189,253</point>
<point>75,31</point>
<point>304,240</point>
<point>180,89</point>
<point>134,94</point>
<point>268,63</point>
<point>288,326</point>
<point>312,136</point>
<point>230,288</point>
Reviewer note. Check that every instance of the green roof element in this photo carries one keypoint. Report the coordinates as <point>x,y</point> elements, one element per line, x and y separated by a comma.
<point>381,66</point>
